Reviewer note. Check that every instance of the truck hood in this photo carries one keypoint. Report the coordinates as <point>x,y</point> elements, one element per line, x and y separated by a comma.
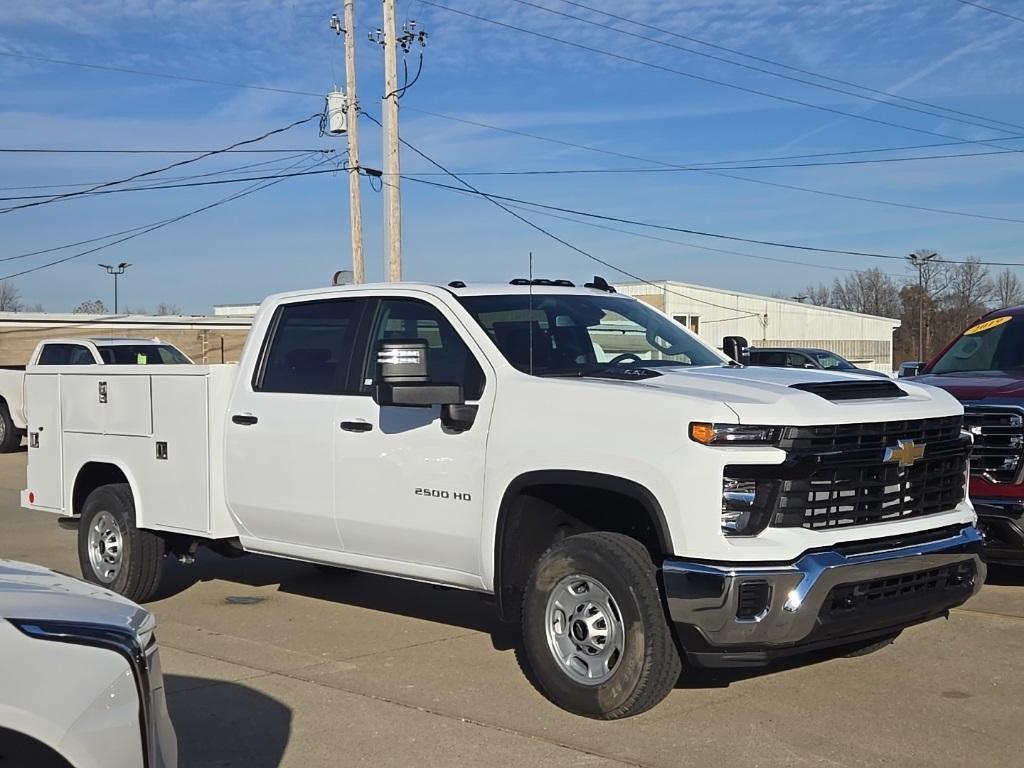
<point>977,385</point>
<point>33,592</point>
<point>763,395</point>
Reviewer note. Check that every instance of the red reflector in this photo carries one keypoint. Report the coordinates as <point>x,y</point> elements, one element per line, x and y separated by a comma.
<point>31,498</point>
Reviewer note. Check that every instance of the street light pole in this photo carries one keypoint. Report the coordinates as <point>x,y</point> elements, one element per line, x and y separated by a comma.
<point>919,260</point>
<point>115,271</point>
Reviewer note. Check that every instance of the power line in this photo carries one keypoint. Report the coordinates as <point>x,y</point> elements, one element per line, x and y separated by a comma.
<point>702,78</point>
<point>107,236</point>
<point>764,71</point>
<point>992,10</point>
<point>683,243</point>
<point>51,150</point>
<point>574,145</point>
<point>225,172</point>
<point>143,174</point>
<point>138,232</point>
<point>710,171</point>
<point>185,185</point>
<point>718,235</point>
<point>781,65</point>
<point>163,75</point>
<point>703,168</point>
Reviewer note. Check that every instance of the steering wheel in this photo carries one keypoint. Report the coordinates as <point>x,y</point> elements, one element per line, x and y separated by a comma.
<point>624,357</point>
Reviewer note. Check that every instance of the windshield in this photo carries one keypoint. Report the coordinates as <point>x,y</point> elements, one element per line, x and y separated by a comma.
<point>832,361</point>
<point>570,335</point>
<point>992,345</point>
<point>142,354</point>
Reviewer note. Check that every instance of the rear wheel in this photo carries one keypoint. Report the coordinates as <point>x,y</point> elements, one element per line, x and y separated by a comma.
<point>10,435</point>
<point>595,638</point>
<point>112,552</point>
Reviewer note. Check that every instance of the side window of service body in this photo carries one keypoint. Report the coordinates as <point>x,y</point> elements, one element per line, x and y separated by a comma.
<point>450,360</point>
<point>311,348</point>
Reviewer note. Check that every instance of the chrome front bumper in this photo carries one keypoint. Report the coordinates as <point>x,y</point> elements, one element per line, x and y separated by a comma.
<point>704,599</point>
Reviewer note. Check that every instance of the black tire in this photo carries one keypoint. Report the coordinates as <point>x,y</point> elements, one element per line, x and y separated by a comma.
<point>10,435</point>
<point>870,646</point>
<point>140,552</point>
<point>648,665</point>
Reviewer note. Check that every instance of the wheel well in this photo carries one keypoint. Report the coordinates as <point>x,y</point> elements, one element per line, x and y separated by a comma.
<point>540,510</point>
<point>90,477</point>
<point>26,750</point>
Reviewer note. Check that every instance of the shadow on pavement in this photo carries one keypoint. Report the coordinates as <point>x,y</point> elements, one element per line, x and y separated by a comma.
<point>454,607</point>
<point>224,724</point>
<point>1003,575</point>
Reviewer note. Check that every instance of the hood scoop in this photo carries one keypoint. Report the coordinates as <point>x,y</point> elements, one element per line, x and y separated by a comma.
<point>852,390</point>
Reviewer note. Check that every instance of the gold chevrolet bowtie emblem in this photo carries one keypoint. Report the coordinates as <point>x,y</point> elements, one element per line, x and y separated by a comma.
<point>906,453</point>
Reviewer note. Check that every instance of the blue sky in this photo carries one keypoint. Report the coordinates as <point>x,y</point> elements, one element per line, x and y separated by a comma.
<point>296,233</point>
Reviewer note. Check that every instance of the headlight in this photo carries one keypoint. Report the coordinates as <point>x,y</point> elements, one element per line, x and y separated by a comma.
<point>747,505</point>
<point>733,434</point>
<point>120,640</point>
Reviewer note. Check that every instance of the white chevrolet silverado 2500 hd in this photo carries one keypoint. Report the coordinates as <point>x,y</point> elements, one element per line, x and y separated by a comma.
<point>630,496</point>
<point>72,351</point>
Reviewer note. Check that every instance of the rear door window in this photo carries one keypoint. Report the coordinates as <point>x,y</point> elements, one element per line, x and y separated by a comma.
<point>311,348</point>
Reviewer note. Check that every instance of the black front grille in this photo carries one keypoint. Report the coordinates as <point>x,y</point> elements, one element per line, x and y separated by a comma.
<point>868,595</point>
<point>838,475</point>
<point>998,442</point>
<point>878,434</point>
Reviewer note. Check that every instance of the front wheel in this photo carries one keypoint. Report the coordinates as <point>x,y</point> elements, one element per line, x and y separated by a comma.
<point>112,552</point>
<point>595,638</point>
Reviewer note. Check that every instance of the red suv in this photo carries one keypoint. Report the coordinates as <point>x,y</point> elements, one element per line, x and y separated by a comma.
<point>984,369</point>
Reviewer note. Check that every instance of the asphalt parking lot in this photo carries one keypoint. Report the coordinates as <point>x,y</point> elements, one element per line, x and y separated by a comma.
<point>273,663</point>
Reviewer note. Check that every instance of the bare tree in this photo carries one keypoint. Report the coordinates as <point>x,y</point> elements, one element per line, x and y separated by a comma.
<point>10,297</point>
<point>1007,289</point>
<point>870,291</point>
<point>95,307</point>
<point>820,295</point>
<point>37,307</point>
<point>969,288</point>
<point>165,308</point>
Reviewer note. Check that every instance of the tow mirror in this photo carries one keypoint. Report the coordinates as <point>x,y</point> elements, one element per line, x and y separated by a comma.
<point>736,347</point>
<point>403,380</point>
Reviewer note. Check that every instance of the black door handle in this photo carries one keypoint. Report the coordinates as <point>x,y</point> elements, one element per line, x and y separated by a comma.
<point>356,426</point>
<point>244,418</point>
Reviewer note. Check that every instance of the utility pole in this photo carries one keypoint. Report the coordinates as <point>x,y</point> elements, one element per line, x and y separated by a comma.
<point>392,193</point>
<point>355,203</point>
<point>919,260</point>
<point>115,271</point>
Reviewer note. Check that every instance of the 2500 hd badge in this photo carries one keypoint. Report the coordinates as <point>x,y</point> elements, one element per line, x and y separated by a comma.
<point>434,493</point>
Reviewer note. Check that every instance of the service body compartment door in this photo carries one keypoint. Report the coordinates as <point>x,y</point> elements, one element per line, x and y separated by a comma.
<point>45,472</point>
<point>176,473</point>
<point>112,404</point>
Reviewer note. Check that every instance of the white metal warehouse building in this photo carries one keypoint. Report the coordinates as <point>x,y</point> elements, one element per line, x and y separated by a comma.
<point>714,313</point>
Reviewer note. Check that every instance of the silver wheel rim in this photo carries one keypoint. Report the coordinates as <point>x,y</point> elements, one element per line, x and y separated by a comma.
<point>3,430</point>
<point>105,547</point>
<point>584,629</point>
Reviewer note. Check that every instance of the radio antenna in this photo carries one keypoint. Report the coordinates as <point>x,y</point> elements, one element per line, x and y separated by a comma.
<point>529,319</point>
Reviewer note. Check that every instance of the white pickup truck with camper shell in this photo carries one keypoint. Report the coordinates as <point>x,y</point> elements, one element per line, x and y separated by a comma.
<point>72,351</point>
<point>630,496</point>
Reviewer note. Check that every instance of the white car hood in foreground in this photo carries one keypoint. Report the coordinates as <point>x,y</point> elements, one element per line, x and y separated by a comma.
<point>33,592</point>
<point>763,395</point>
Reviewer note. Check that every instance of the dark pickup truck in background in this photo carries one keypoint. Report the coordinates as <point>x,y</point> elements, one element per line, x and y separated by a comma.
<point>984,369</point>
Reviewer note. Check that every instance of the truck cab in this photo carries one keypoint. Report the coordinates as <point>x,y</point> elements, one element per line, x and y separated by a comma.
<point>983,368</point>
